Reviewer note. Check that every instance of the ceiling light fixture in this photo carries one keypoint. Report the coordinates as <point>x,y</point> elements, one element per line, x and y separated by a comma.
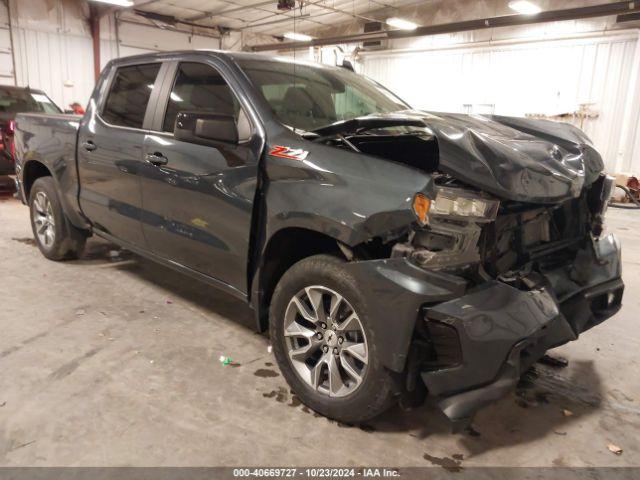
<point>119,3</point>
<point>525,7</point>
<point>301,37</point>
<point>401,23</point>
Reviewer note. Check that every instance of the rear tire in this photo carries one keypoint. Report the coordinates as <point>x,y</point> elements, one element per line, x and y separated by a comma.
<point>310,355</point>
<point>55,236</point>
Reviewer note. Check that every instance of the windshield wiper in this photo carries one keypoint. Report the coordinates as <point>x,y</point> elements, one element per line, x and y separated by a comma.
<point>355,125</point>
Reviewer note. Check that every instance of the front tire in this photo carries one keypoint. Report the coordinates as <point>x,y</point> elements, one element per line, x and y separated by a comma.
<point>323,343</point>
<point>55,236</point>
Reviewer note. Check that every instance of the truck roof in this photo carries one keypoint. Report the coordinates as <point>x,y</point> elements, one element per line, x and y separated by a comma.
<point>233,56</point>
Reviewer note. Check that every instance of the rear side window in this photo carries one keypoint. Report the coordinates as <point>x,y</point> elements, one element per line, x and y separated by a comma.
<point>199,87</point>
<point>129,95</point>
<point>16,100</point>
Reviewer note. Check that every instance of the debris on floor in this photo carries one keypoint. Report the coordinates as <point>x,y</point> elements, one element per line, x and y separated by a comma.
<point>225,360</point>
<point>453,464</point>
<point>269,349</point>
<point>567,413</point>
<point>266,373</point>
<point>614,449</point>
<point>280,394</point>
<point>80,312</point>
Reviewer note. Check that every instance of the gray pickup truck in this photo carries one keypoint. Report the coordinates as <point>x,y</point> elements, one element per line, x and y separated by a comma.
<point>391,253</point>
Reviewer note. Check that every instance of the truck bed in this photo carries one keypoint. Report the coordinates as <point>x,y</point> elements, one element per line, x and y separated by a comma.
<point>50,139</point>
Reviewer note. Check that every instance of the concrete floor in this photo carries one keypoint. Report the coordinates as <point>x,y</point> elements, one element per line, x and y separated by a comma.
<point>114,361</point>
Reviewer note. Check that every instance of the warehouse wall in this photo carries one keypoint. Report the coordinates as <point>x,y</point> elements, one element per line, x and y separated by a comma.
<point>134,38</point>
<point>53,51</point>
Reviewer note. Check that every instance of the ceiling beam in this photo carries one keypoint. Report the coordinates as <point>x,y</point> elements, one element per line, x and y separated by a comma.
<point>343,12</point>
<point>601,10</point>
<point>231,10</point>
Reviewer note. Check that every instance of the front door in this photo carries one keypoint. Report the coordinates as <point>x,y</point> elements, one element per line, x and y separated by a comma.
<point>198,199</point>
<point>110,145</point>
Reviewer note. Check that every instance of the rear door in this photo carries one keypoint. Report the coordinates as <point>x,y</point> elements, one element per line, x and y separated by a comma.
<point>198,199</point>
<point>110,145</point>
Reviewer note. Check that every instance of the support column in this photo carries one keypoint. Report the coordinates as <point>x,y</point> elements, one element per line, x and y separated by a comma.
<point>94,24</point>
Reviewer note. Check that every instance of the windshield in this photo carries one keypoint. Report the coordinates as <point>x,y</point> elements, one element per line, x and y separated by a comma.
<point>17,101</point>
<point>306,97</point>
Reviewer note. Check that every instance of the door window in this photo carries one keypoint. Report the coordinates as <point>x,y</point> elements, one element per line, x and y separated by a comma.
<point>199,87</point>
<point>129,95</point>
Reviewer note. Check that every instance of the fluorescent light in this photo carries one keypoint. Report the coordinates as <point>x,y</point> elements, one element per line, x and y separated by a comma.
<point>301,37</point>
<point>401,23</point>
<point>175,97</point>
<point>120,3</point>
<point>525,7</point>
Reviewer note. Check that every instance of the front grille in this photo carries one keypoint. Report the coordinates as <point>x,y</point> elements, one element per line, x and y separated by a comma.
<point>523,233</point>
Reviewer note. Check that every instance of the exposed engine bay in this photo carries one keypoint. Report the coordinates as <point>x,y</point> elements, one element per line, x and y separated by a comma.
<point>470,231</point>
<point>413,147</point>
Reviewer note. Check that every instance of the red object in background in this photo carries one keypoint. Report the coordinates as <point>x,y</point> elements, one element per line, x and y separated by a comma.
<point>634,187</point>
<point>77,108</point>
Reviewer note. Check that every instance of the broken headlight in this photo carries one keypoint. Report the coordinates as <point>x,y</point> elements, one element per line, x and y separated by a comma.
<point>456,202</point>
<point>449,228</point>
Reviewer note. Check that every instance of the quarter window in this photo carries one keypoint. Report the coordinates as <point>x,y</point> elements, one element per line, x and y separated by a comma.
<point>129,95</point>
<point>199,87</point>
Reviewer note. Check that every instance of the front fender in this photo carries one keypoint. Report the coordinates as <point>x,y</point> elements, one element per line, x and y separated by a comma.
<point>348,196</point>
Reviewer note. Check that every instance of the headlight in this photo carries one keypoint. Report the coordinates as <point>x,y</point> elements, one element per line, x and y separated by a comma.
<point>456,202</point>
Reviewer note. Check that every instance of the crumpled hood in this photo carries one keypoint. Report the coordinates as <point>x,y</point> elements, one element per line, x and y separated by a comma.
<point>514,158</point>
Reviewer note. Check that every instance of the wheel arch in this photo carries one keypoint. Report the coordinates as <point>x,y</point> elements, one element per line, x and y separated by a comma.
<point>283,249</point>
<point>32,171</point>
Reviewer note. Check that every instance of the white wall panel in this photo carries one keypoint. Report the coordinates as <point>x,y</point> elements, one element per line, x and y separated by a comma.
<point>547,77</point>
<point>51,47</point>
<point>6,60</point>
<point>48,60</point>
<point>137,39</point>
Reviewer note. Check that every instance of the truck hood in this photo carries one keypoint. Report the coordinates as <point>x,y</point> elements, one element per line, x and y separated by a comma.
<point>516,158</point>
<point>513,158</point>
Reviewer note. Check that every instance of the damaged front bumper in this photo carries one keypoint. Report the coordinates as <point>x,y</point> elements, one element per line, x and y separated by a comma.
<point>480,340</point>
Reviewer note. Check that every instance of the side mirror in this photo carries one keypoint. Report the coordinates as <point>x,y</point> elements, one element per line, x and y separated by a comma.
<point>206,128</point>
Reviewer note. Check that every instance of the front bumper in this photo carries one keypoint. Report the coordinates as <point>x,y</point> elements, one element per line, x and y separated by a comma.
<point>503,330</point>
<point>483,338</point>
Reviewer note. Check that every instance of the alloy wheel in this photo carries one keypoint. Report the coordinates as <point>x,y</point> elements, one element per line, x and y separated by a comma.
<point>43,220</point>
<point>325,341</point>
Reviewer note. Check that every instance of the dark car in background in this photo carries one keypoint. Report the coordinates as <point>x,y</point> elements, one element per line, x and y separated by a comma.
<point>14,100</point>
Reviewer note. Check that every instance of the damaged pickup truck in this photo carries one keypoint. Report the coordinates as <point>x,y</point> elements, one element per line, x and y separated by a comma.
<point>391,253</point>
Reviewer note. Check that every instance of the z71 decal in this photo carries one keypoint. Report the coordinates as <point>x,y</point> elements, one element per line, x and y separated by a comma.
<point>290,153</point>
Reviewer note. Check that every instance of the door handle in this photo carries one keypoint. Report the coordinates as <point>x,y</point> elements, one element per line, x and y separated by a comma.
<point>157,159</point>
<point>89,146</point>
